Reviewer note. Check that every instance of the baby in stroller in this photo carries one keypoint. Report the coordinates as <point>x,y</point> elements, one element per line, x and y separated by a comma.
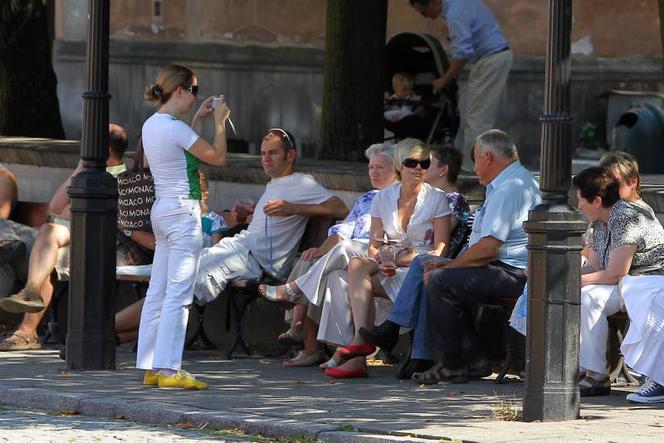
<point>404,115</point>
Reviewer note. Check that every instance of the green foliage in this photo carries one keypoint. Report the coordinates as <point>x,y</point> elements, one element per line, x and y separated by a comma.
<point>588,136</point>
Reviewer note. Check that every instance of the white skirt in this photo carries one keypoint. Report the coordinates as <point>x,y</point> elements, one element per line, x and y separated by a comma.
<point>643,346</point>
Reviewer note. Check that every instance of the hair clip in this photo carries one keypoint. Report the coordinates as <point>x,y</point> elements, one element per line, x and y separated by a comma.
<point>156,91</point>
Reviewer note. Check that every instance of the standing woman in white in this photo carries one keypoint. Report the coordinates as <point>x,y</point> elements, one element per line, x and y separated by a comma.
<point>174,151</point>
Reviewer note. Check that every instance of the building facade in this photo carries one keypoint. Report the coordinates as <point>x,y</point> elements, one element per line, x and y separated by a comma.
<point>266,57</point>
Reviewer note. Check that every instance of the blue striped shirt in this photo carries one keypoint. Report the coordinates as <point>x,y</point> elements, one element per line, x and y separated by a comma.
<point>473,30</point>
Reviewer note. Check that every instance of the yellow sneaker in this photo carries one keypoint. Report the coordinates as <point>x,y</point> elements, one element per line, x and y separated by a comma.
<point>150,378</point>
<point>180,380</point>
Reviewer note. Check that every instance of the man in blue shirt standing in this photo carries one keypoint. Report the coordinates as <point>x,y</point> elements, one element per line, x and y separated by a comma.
<point>496,257</point>
<point>475,38</point>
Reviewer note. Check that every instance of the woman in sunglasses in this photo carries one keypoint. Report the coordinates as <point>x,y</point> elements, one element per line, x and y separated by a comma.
<point>174,151</point>
<point>407,219</point>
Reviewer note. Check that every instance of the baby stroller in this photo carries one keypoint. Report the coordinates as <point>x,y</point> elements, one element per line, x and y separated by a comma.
<point>423,57</point>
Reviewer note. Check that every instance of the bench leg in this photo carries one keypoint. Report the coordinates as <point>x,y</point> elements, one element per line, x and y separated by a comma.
<point>200,330</point>
<point>509,356</point>
<point>238,315</point>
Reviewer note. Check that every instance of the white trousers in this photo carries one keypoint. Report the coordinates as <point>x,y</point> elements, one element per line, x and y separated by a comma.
<point>314,282</point>
<point>480,99</point>
<point>228,260</point>
<point>336,321</point>
<point>177,228</point>
<point>597,303</point>
<point>643,346</point>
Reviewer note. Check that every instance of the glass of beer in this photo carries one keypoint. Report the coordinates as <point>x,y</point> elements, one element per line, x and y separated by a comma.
<point>388,262</point>
<point>244,208</point>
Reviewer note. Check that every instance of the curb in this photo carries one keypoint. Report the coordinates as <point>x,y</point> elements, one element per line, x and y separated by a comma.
<point>151,412</point>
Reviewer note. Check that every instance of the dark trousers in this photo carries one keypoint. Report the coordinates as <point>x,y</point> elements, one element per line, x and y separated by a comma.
<point>454,293</point>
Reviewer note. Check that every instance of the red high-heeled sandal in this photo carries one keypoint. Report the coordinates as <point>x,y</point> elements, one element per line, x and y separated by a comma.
<point>346,373</point>
<point>352,351</point>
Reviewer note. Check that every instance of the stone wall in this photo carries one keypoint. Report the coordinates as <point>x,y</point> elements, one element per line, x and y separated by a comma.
<point>266,57</point>
<point>268,87</point>
<point>601,28</point>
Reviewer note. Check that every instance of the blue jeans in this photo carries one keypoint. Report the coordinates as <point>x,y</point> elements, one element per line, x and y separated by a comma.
<point>410,309</point>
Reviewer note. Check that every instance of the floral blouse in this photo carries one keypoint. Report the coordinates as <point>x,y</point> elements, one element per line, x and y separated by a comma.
<point>356,225</point>
<point>460,211</point>
<point>631,223</point>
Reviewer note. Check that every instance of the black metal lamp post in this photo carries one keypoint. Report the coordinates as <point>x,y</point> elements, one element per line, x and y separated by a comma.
<point>554,242</point>
<point>93,192</point>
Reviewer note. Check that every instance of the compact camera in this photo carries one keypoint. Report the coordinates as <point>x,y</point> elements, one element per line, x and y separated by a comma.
<point>215,101</point>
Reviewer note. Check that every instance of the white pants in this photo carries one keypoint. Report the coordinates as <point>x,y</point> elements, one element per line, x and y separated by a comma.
<point>643,346</point>
<point>177,228</point>
<point>480,99</point>
<point>314,282</point>
<point>597,303</point>
<point>336,322</point>
<point>228,260</point>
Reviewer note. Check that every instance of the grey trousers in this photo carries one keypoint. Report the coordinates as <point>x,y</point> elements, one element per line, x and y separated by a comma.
<point>480,98</point>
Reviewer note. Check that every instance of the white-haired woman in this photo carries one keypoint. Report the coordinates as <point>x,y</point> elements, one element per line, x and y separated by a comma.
<point>309,275</point>
<point>411,218</point>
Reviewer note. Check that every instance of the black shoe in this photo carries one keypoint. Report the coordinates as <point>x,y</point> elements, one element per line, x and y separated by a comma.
<point>385,335</point>
<point>63,352</point>
<point>480,368</point>
<point>412,366</point>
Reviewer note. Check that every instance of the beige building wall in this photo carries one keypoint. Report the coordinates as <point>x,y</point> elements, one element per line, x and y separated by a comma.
<point>602,28</point>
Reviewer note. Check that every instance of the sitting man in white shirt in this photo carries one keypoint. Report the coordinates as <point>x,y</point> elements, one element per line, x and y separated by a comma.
<point>269,245</point>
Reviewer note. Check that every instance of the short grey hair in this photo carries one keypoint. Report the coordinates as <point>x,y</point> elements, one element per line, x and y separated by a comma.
<point>386,149</point>
<point>499,143</point>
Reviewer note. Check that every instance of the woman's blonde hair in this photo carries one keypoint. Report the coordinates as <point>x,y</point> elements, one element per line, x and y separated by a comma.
<point>170,77</point>
<point>625,164</point>
<point>409,148</point>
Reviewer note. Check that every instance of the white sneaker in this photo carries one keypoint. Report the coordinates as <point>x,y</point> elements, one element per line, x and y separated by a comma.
<point>650,392</point>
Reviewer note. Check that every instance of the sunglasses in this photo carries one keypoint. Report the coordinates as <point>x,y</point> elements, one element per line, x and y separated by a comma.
<point>412,163</point>
<point>283,135</point>
<point>193,89</point>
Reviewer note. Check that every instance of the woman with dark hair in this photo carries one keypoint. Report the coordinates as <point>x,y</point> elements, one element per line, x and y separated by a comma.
<point>627,239</point>
<point>174,151</point>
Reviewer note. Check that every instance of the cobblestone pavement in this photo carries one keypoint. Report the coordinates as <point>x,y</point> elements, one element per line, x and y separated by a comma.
<point>20,425</point>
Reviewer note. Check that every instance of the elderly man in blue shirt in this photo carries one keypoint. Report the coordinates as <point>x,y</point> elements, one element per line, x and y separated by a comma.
<point>475,38</point>
<point>496,258</point>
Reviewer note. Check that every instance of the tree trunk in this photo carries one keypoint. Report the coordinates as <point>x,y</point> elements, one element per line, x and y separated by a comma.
<point>661,25</point>
<point>353,86</point>
<point>28,99</point>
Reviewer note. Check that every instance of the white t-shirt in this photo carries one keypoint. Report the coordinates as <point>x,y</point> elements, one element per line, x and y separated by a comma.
<point>431,203</point>
<point>281,235</point>
<point>167,141</point>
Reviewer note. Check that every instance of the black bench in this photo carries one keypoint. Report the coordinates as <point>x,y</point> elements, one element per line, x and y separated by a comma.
<point>242,293</point>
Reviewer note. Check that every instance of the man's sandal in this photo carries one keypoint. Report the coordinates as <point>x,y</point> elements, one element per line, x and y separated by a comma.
<point>20,342</point>
<point>429,377</point>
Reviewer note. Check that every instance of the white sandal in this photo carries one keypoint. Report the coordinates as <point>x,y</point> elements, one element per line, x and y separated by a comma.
<point>270,293</point>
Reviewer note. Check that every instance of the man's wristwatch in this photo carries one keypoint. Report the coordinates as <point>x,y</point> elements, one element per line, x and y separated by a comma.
<point>127,233</point>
